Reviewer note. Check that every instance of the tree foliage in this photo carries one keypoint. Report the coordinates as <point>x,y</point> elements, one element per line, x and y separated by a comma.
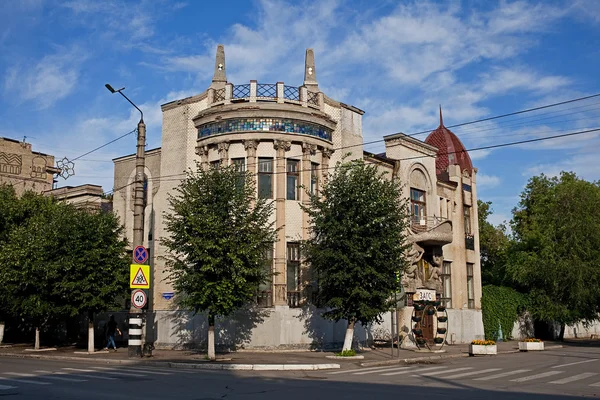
<point>555,258</point>
<point>501,307</point>
<point>58,261</point>
<point>358,239</point>
<point>494,245</point>
<point>219,234</point>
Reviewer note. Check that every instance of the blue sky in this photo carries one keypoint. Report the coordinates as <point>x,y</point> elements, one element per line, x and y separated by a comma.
<point>397,60</point>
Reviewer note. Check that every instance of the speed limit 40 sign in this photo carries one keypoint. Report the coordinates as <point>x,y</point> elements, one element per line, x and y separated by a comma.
<point>139,298</point>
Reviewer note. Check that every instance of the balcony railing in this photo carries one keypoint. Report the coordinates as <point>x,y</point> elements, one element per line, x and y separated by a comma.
<point>276,92</point>
<point>422,224</point>
<point>264,299</point>
<point>291,93</point>
<point>294,298</point>
<point>470,241</point>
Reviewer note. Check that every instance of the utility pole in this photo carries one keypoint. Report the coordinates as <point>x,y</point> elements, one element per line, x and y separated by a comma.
<point>134,347</point>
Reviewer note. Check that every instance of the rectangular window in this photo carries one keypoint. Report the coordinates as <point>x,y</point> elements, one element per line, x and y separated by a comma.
<point>470,286</point>
<point>467,219</point>
<point>293,192</point>
<point>240,167</point>
<point>418,205</point>
<point>265,178</point>
<point>314,178</point>
<point>215,164</point>
<point>446,276</point>
<point>265,292</point>
<point>293,266</point>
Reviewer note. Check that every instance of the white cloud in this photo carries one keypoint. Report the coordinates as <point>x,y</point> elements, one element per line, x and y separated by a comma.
<point>49,80</point>
<point>502,80</point>
<point>585,165</point>
<point>487,181</point>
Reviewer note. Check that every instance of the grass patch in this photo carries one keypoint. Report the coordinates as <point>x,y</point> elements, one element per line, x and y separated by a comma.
<point>346,353</point>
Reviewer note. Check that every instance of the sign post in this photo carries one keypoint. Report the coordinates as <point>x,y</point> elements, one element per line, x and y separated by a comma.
<point>139,278</point>
<point>139,298</point>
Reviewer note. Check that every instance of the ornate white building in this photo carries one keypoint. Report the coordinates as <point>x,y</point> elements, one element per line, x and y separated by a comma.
<point>289,136</point>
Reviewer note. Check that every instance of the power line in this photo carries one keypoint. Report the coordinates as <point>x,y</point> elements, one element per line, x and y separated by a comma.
<point>104,145</point>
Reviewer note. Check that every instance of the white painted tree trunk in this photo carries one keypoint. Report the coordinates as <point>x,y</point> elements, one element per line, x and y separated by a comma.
<point>91,336</point>
<point>211,342</point>
<point>37,338</point>
<point>349,336</point>
<point>1,331</point>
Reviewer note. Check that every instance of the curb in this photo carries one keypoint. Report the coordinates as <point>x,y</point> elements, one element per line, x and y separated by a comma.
<point>183,365</point>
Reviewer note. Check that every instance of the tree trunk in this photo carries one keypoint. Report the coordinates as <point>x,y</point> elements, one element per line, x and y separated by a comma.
<point>37,338</point>
<point>211,337</point>
<point>1,331</point>
<point>90,332</point>
<point>349,336</point>
<point>561,335</point>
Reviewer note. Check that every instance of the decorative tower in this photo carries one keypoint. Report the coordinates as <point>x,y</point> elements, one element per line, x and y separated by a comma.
<point>310,72</point>
<point>220,77</point>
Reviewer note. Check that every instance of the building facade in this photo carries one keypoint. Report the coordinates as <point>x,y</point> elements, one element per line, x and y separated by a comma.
<point>25,169</point>
<point>289,136</point>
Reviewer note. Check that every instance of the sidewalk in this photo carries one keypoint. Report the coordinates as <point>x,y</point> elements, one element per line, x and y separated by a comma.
<point>252,360</point>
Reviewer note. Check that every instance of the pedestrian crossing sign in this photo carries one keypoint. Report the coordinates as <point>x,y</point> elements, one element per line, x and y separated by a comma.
<point>139,276</point>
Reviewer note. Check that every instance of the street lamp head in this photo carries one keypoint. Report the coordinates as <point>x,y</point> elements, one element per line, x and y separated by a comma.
<point>112,90</point>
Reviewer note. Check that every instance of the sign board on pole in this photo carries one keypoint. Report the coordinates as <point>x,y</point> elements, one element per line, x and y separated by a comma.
<point>140,255</point>
<point>139,276</point>
<point>139,298</point>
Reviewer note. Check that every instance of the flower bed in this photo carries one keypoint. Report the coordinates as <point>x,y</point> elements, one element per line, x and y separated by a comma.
<point>483,347</point>
<point>531,344</point>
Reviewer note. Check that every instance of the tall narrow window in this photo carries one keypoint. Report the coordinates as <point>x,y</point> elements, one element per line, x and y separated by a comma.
<point>470,286</point>
<point>446,276</point>
<point>467,214</point>
<point>292,180</point>
<point>314,178</point>
<point>293,274</point>
<point>240,167</point>
<point>215,164</point>
<point>265,178</point>
<point>265,293</point>
<point>417,205</point>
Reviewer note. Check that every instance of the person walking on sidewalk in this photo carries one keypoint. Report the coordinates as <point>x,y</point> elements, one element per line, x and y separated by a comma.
<point>111,329</point>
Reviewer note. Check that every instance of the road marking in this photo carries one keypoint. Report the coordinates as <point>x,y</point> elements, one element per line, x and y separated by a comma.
<point>595,384</point>
<point>382,370</point>
<point>24,381</point>
<point>532,377</point>
<point>411,370</point>
<point>87,376</point>
<point>4,387</point>
<point>349,371</point>
<point>502,375</point>
<point>574,378</point>
<point>449,371</point>
<point>110,371</point>
<point>168,371</point>
<point>574,363</point>
<point>48,375</point>
<point>147,371</point>
<point>483,371</point>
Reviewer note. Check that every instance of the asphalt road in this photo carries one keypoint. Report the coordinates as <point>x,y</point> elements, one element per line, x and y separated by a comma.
<point>557,374</point>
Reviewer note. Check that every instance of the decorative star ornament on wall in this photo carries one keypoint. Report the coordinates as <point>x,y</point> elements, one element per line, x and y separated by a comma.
<point>67,168</point>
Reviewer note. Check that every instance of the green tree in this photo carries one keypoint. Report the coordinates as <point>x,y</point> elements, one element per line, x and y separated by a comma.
<point>59,261</point>
<point>557,229</point>
<point>494,244</point>
<point>359,225</point>
<point>219,233</point>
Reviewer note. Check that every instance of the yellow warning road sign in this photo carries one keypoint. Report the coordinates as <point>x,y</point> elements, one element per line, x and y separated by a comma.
<point>139,276</point>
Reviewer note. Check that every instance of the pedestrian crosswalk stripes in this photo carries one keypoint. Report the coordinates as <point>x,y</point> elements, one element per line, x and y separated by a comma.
<point>575,363</point>
<point>502,375</point>
<point>6,387</point>
<point>381,370</point>
<point>410,371</point>
<point>450,371</point>
<point>537,376</point>
<point>2,378</point>
<point>359,369</point>
<point>574,378</point>
<point>471,373</point>
<point>110,378</point>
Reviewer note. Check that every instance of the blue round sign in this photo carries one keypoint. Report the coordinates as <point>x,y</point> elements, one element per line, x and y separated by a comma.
<point>140,254</point>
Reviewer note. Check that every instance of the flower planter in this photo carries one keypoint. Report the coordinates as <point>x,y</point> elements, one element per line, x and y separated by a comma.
<point>430,311</point>
<point>418,332</point>
<point>438,340</point>
<point>441,308</point>
<point>419,307</point>
<point>442,319</point>
<point>416,319</point>
<point>531,346</point>
<point>476,349</point>
<point>421,342</point>
<point>441,331</point>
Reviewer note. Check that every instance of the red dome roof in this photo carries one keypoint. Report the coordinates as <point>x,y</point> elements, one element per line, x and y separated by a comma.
<point>451,150</point>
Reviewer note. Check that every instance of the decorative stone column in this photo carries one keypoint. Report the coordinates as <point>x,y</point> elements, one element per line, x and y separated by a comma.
<point>251,160</point>
<point>280,279</point>
<point>325,163</point>
<point>223,149</point>
<point>307,151</point>
<point>202,151</point>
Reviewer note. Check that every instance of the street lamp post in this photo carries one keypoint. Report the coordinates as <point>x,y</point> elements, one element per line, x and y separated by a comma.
<point>134,348</point>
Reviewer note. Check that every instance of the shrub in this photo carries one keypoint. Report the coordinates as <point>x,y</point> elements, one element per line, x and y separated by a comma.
<point>346,353</point>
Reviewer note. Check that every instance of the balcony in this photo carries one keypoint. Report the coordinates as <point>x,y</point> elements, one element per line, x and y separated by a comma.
<point>275,92</point>
<point>294,298</point>
<point>469,241</point>
<point>431,231</point>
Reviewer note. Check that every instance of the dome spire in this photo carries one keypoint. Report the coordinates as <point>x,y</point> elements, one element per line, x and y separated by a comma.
<point>441,119</point>
<point>219,78</point>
